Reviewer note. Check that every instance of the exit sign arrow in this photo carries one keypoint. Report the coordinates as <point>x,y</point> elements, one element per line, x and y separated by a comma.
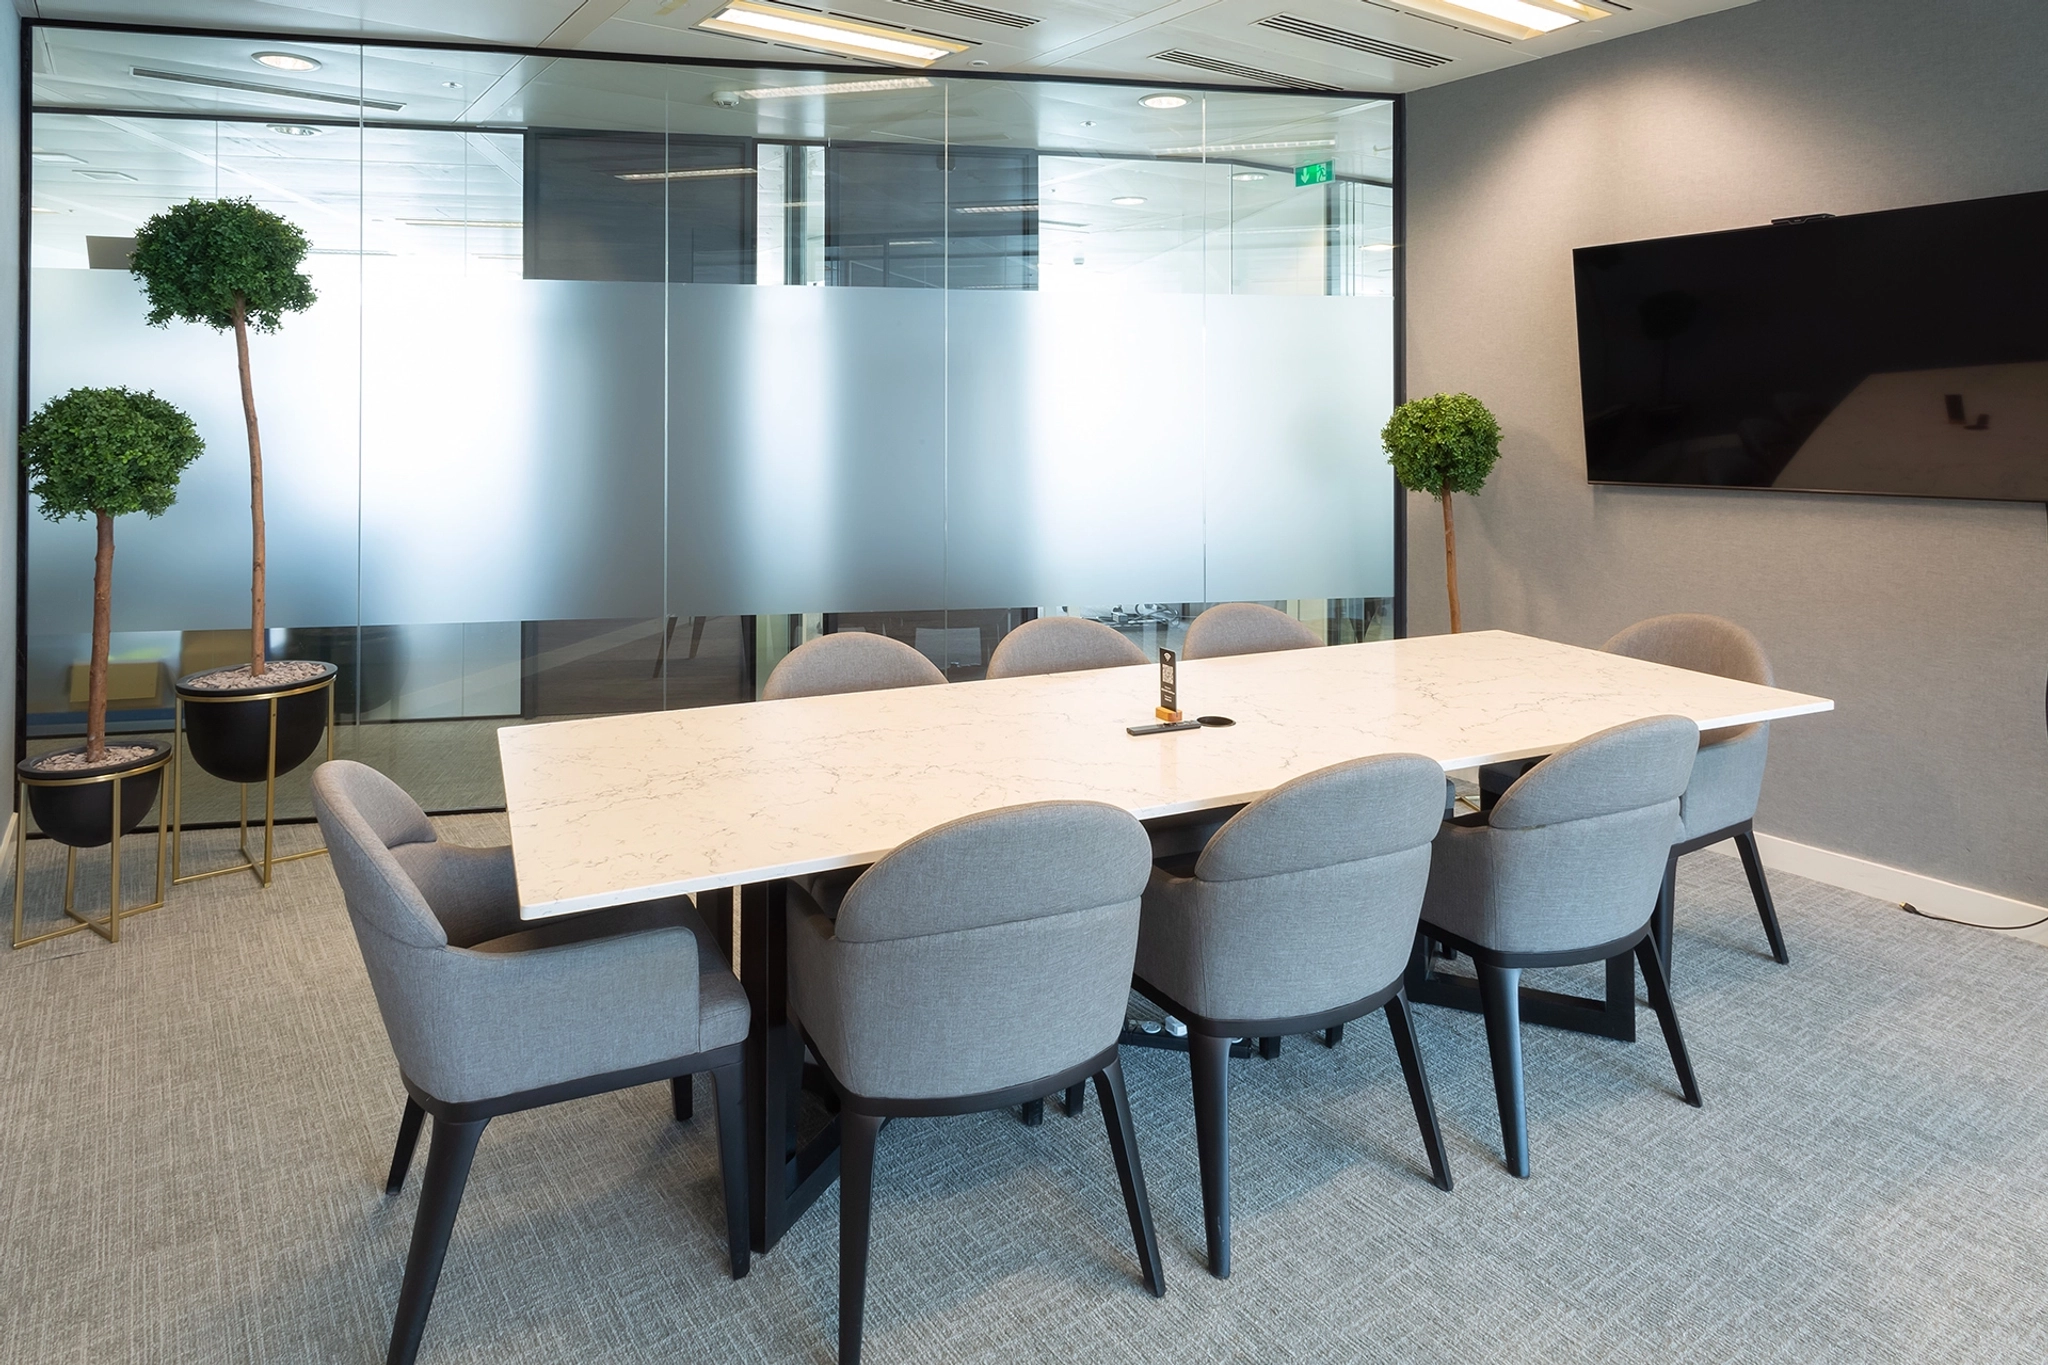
<point>1321,173</point>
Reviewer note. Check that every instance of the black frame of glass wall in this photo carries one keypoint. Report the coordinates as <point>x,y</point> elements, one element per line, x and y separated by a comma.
<point>751,631</point>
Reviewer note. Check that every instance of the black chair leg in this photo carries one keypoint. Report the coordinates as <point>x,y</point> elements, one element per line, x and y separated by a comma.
<point>857,1134</point>
<point>1500,997</point>
<point>1208,1063</point>
<point>1667,1016</point>
<point>682,1093</point>
<point>1123,1144</point>
<point>1269,1048</point>
<point>728,1089</point>
<point>1666,910</point>
<point>1401,1020</point>
<point>408,1138</point>
<point>1333,1035</point>
<point>448,1158</point>
<point>1033,1113</point>
<point>1077,1098</point>
<point>1753,864</point>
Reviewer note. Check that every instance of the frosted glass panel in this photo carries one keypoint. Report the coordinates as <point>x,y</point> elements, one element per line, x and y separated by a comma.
<point>1300,501</point>
<point>189,569</point>
<point>807,468</point>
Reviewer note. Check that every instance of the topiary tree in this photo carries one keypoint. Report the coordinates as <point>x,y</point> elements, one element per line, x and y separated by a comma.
<point>1440,445</point>
<point>106,453</point>
<point>233,266</point>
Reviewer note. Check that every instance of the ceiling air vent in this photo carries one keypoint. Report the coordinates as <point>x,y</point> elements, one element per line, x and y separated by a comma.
<point>981,12</point>
<point>1357,42</point>
<point>1238,69</point>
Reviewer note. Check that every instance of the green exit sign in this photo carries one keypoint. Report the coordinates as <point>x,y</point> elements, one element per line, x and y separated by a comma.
<point>1322,173</point>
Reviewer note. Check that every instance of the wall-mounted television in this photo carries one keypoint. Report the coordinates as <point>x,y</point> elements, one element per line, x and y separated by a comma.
<point>1902,352</point>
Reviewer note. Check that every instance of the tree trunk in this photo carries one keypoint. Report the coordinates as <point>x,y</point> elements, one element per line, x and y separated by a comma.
<point>102,634</point>
<point>255,491</point>
<point>1451,560</point>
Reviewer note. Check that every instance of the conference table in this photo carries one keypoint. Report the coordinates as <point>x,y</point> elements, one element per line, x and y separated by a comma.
<point>728,802</point>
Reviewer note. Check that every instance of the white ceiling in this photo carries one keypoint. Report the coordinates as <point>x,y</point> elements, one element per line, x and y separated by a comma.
<point>1070,37</point>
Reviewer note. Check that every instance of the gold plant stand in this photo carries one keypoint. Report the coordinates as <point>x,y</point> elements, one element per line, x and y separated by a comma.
<point>108,926</point>
<point>261,870</point>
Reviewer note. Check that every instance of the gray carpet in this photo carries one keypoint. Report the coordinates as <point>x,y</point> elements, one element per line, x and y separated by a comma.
<point>197,1122</point>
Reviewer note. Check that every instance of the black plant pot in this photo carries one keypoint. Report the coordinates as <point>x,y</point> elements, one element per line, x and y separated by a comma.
<point>74,809</point>
<point>228,729</point>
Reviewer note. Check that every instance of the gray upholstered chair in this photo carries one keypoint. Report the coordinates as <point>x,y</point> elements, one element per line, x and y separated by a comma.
<point>1245,628</point>
<point>1299,915</point>
<point>848,661</point>
<point>1727,777</point>
<point>489,1015</point>
<point>984,963</point>
<point>1062,644</point>
<point>1563,869</point>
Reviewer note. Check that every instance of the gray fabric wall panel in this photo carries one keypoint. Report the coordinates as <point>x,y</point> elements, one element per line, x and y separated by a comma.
<point>1926,621</point>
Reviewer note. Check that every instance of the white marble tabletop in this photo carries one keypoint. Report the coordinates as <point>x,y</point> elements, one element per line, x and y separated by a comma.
<point>622,808</point>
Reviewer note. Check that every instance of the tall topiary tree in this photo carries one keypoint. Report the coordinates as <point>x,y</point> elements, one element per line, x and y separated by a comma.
<point>1443,444</point>
<point>105,453</point>
<point>233,266</point>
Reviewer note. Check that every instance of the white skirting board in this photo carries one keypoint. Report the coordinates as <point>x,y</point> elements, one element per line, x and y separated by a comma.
<point>1949,900</point>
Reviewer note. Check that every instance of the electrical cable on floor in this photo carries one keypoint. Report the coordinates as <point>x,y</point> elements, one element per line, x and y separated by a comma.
<point>1912,909</point>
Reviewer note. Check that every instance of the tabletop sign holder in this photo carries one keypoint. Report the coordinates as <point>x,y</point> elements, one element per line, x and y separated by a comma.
<point>1168,709</point>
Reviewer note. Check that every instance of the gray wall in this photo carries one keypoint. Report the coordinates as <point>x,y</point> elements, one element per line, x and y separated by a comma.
<point>1926,621</point>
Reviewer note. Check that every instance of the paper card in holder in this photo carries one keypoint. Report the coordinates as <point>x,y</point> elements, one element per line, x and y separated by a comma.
<point>1168,709</point>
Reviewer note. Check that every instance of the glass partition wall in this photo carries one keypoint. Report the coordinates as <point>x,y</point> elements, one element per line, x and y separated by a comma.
<point>626,377</point>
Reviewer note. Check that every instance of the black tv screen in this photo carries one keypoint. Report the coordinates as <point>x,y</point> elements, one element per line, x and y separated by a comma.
<point>1903,352</point>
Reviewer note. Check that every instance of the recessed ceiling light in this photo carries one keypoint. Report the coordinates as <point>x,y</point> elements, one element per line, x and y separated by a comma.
<point>1163,101</point>
<point>294,129</point>
<point>56,156</point>
<point>1129,200</point>
<point>787,92</point>
<point>695,173</point>
<point>1249,175</point>
<point>826,33</point>
<point>451,85</point>
<point>286,61</point>
<point>105,175</point>
<point>977,62</point>
<point>1087,123</point>
<point>1510,18</point>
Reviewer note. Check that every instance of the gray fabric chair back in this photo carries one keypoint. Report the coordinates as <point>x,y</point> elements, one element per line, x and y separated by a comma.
<point>988,952</point>
<point>1577,846</point>
<point>1245,628</point>
<point>1704,644</point>
<point>1062,644</point>
<point>1305,900</point>
<point>849,661</point>
<point>1729,774</point>
<point>474,1023</point>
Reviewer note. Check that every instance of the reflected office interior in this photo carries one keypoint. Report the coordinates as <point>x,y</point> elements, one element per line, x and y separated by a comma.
<point>625,378</point>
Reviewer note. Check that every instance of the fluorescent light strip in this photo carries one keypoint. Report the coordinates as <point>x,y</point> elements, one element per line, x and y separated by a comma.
<point>785,92</point>
<point>701,173</point>
<point>463,222</point>
<point>806,28</point>
<point>257,88</point>
<point>1509,18</point>
<point>997,208</point>
<point>1247,147</point>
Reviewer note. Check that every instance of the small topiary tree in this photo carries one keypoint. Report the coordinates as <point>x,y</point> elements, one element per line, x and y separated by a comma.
<point>106,453</point>
<point>1443,444</point>
<point>233,266</point>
